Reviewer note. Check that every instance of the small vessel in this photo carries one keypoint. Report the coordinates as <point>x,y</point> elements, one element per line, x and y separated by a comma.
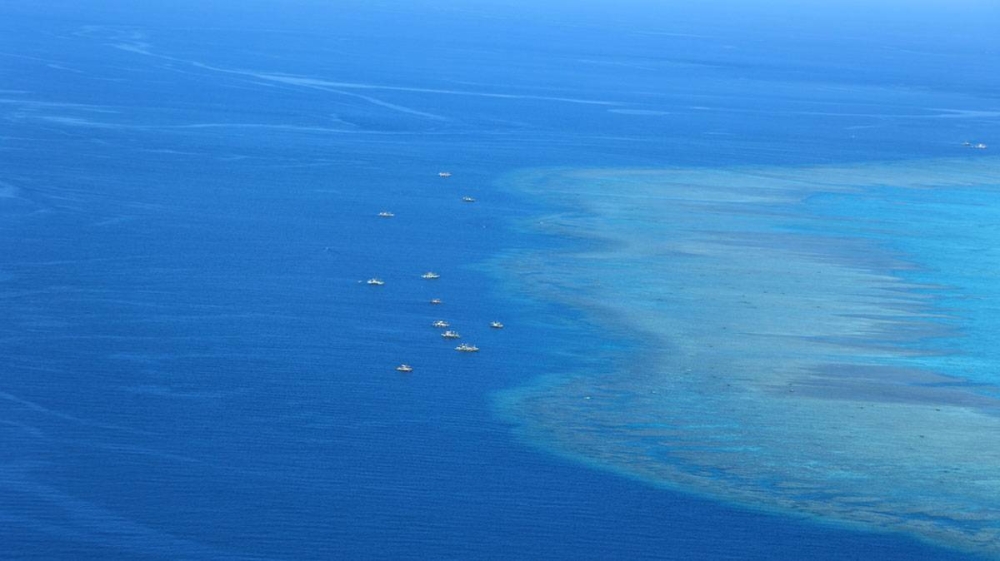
<point>436,301</point>
<point>440,323</point>
<point>385,214</point>
<point>496,325</point>
<point>979,146</point>
<point>444,174</point>
<point>468,200</point>
<point>404,368</point>
<point>464,348</point>
<point>375,281</point>
<point>430,275</point>
<point>451,335</point>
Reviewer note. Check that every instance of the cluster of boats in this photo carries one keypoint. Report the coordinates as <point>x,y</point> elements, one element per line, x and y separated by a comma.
<point>431,275</point>
<point>450,334</point>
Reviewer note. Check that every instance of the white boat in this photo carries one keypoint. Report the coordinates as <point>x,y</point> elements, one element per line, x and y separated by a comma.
<point>444,174</point>
<point>468,200</point>
<point>430,275</point>
<point>436,301</point>
<point>496,325</point>
<point>375,281</point>
<point>386,214</point>
<point>440,323</point>
<point>404,368</point>
<point>463,348</point>
<point>451,335</point>
<point>980,146</point>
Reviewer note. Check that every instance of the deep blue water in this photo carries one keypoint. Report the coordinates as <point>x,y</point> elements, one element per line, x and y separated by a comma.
<point>191,369</point>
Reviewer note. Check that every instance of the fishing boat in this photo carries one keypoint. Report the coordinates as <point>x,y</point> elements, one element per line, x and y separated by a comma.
<point>374,281</point>
<point>451,335</point>
<point>385,214</point>
<point>468,200</point>
<point>430,275</point>
<point>404,368</point>
<point>444,174</point>
<point>440,323</point>
<point>464,348</point>
<point>436,301</point>
<point>496,325</point>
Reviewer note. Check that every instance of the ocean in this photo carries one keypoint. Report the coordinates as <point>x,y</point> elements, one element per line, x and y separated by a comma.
<point>681,215</point>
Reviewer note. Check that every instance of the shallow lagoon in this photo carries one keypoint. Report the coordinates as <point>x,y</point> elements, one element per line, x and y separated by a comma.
<point>794,338</point>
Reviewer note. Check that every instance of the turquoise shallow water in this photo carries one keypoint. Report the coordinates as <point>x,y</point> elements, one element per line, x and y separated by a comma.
<point>952,237</point>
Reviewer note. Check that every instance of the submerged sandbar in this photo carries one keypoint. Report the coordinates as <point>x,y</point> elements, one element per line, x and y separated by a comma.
<point>786,346</point>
